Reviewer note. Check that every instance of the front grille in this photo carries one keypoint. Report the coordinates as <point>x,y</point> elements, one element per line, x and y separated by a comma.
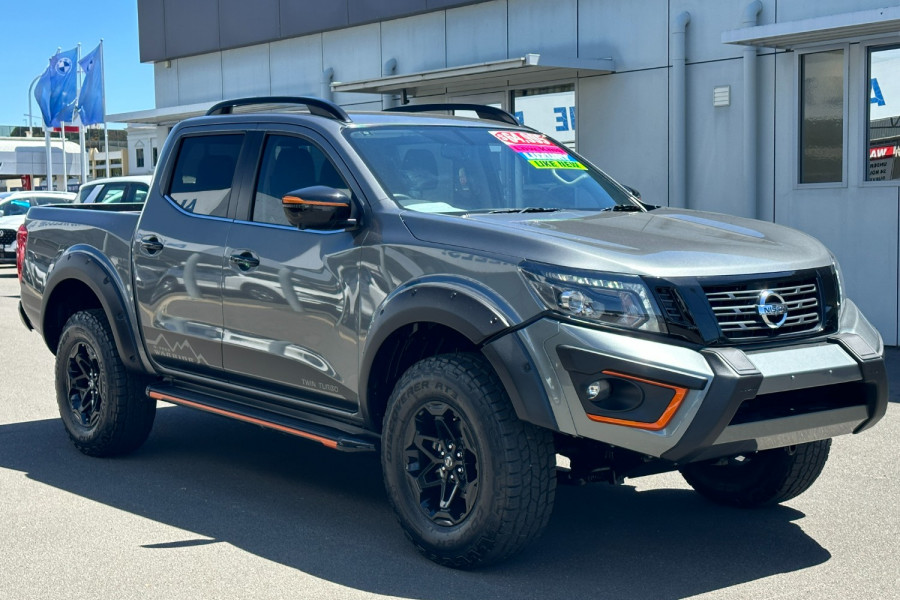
<point>736,309</point>
<point>7,236</point>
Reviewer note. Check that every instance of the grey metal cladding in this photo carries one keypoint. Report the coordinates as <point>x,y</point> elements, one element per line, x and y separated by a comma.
<point>242,23</point>
<point>301,17</point>
<point>177,28</point>
<point>151,24</point>
<point>367,11</point>
<point>192,27</point>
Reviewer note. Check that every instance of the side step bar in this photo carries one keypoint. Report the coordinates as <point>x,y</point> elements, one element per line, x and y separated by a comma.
<point>327,436</point>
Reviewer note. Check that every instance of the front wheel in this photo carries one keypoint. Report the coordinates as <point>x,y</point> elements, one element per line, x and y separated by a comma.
<point>759,478</point>
<point>469,482</point>
<point>103,407</point>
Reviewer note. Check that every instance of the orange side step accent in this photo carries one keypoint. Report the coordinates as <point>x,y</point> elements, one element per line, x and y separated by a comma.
<point>233,415</point>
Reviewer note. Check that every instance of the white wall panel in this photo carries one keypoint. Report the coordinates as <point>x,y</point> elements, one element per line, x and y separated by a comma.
<point>476,33</point>
<point>715,157</point>
<point>634,35</point>
<point>549,27</point>
<point>354,54</point>
<point>165,83</point>
<point>245,72</point>
<point>418,43</point>
<point>795,10</point>
<point>296,66</point>
<point>709,20</point>
<point>634,148</point>
<point>200,78</point>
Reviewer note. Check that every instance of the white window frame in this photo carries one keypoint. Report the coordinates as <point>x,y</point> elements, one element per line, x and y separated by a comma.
<point>798,54</point>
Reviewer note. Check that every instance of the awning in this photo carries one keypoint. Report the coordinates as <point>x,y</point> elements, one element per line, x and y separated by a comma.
<point>526,70</point>
<point>818,29</point>
<point>169,115</point>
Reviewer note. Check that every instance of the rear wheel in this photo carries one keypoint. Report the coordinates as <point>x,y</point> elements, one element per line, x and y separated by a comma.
<point>470,483</point>
<point>759,478</point>
<point>103,407</point>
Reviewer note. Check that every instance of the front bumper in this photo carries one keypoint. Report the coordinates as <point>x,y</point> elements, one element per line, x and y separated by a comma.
<point>8,254</point>
<point>682,404</point>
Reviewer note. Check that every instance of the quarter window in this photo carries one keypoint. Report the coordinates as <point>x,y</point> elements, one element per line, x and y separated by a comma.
<point>822,117</point>
<point>204,170</point>
<point>884,115</point>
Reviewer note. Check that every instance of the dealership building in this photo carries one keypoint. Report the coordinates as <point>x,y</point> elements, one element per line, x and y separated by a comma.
<point>783,110</point>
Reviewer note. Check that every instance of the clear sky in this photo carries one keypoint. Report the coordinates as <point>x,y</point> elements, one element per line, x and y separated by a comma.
<point>32,31</point>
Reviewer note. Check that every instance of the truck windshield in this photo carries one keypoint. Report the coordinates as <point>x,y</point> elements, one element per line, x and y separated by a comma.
<point>449,169</point>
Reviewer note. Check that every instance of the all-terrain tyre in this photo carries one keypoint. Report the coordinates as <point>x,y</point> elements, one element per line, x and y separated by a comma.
<point>761,478</point>
<point>103,407</point>
<point>469,482</point>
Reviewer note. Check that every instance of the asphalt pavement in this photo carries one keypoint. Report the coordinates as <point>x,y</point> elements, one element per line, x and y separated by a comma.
<point>211,508</point>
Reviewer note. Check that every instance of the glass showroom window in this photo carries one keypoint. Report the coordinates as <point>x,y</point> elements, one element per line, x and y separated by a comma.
<point>550,110</point>
<point>139,155</point>
<point>884,114</point>
<point>822,117</point>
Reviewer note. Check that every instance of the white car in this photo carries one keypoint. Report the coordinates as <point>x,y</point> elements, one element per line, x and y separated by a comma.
<point>129,188</point>
<point>13,207</point>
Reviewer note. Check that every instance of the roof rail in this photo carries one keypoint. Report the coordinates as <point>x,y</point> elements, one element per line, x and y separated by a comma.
<point>316,106</point>
<point>491,113</point>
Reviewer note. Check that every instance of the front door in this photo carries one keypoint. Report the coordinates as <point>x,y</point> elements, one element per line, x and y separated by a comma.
<point>290,296</point>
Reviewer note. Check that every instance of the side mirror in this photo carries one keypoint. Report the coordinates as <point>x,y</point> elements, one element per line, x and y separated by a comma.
<point>317,207</point>
<point>632,191</point>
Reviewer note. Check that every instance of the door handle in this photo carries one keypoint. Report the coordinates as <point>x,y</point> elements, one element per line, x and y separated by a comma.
<point>245,261</point>
<point>152,245</point>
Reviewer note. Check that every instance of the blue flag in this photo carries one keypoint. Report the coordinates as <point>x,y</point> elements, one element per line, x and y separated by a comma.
<point>90,103</point>
<point>57,88</point>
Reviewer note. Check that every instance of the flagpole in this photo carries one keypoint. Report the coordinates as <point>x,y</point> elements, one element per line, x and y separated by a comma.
<point>81,141</point>
<point>105,126</point>
<point>49,158</point>
<point>62,134</point>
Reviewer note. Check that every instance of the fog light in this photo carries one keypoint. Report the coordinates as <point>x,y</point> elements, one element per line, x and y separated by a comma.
<point>598,390</point>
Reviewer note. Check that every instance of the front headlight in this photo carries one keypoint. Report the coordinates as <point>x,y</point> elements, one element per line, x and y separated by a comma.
<point>607,298</point>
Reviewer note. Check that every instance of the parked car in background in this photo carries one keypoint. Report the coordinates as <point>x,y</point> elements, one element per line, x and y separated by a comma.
<point>114,190</point>
<point>18,203</point>
<point>13,206</point>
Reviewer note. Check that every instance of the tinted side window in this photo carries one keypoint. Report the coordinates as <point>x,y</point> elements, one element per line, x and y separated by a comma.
<point>203,174</point>
<point>290,163</point>
<point>139,193</point>
<point>112,193</point>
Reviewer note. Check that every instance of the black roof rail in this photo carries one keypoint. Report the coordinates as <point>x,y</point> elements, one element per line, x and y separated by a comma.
<point>315,106</point>
<point>491,113</point>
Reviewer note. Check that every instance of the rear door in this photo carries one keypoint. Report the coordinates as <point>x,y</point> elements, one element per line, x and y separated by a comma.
<point>179,248</point>
<point>291,296</point>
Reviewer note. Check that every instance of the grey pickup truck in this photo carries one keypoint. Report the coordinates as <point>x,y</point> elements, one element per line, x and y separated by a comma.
<point>472,300</point>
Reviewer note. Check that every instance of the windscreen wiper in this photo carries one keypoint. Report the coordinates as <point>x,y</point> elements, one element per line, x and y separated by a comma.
<point>623,208</point>
<point>530,209</point>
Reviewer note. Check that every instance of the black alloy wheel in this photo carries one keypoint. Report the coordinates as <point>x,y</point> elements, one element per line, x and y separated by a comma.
<point>442,463</point>
<point>84,386</point>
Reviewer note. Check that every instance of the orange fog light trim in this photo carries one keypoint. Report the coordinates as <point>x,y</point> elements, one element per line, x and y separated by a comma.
<point>233,415</point>
<point>678,396</point>
<point>296,200</point>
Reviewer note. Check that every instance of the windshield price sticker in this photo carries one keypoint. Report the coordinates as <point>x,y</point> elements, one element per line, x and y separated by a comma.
<point>540,152</point>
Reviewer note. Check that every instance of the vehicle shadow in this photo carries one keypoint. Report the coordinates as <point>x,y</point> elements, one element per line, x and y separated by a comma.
<point>325,513</point>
